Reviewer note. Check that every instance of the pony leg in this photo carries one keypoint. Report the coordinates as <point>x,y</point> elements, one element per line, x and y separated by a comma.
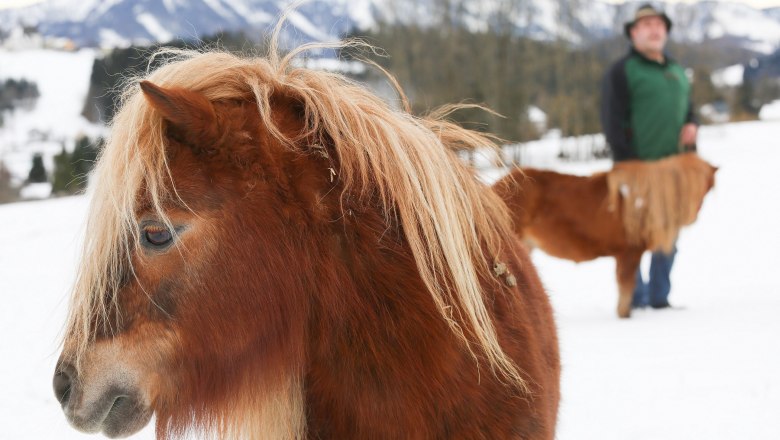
<point>626,265</point>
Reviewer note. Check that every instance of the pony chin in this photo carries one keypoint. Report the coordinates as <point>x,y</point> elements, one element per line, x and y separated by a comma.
<point>127,416</point>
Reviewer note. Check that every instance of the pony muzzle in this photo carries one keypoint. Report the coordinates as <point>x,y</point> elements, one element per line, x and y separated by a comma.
<point>105,404</point>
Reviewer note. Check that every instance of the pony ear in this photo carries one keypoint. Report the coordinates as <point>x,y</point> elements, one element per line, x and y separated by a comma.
<point>190,115</point>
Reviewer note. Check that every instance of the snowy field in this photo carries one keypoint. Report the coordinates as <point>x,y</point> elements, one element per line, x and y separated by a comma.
<point>708,371</point>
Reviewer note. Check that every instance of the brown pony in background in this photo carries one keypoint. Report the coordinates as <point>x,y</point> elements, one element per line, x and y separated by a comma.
<point>274,252</point>
<point>635,207</point>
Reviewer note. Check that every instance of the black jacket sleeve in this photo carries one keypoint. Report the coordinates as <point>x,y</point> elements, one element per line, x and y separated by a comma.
<point>690,117</point>
<point>615,112</point>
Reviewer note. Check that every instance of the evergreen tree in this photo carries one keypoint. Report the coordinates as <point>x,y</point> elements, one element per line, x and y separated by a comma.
<point>15,93</point>
<point>110,73</point>
<point>63,173</point>
<point>71,169</point>
<point>7,191</point>
<point>747,106</point>
<point>83,158</point>
<point>38,170</point>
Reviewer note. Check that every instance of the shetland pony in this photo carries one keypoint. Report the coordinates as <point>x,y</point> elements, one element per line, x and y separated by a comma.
<point>636,207</point>
<point>273,252</point>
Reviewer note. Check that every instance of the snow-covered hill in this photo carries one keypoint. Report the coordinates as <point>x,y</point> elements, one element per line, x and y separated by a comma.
<point>120,22</point>
<point>708,371</point>
<point>55,121</point>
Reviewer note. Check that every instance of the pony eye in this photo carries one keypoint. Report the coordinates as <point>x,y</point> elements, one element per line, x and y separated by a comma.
<point>155,236</point>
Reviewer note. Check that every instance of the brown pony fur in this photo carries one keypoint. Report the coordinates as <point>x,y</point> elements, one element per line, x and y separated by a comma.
<point>637,206</point>
<point>331,274</point>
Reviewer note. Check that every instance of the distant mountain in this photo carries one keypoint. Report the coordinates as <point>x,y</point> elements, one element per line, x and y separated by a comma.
<point>773,12</point>
<point>111,23</point>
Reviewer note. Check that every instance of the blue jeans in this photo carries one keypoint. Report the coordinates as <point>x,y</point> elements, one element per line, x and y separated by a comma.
<point>655,292</point>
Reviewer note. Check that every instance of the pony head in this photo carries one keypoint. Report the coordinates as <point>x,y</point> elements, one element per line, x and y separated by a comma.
<point>232,207</point>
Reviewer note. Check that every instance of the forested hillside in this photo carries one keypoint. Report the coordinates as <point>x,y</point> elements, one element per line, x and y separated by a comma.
<point>507,73</point>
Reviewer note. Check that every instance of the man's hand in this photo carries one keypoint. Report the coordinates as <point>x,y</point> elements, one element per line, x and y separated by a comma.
<point>688,134</point>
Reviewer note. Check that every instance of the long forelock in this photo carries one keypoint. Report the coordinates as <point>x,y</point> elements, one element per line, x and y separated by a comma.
<point>454,225</point>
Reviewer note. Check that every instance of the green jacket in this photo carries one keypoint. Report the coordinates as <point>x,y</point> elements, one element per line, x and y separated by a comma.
<point>644,105</point>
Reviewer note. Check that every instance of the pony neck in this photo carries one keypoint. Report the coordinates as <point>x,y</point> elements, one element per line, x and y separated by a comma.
<point>377,340</point>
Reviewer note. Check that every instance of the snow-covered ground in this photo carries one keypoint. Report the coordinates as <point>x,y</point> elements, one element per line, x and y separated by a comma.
<point>770,112</point>
<point>728,76</point>
<point>708,371</point>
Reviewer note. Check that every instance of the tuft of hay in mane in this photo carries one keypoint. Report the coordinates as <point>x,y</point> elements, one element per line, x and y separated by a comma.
<point>659,198</point>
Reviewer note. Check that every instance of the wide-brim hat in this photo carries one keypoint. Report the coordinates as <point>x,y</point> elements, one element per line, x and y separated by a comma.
<point>644,11</point>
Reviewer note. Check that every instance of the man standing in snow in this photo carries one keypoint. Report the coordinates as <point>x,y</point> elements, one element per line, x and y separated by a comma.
<point>647,114</point>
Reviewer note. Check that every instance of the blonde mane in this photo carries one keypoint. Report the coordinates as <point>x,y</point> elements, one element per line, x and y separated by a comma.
<point>451,222</point>
<point>659,198</point>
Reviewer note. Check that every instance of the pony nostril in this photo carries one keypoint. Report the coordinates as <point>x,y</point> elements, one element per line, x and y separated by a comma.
<point>63,383</point>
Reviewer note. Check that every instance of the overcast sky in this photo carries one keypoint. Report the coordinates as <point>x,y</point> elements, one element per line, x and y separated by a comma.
<point>755,3</point>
